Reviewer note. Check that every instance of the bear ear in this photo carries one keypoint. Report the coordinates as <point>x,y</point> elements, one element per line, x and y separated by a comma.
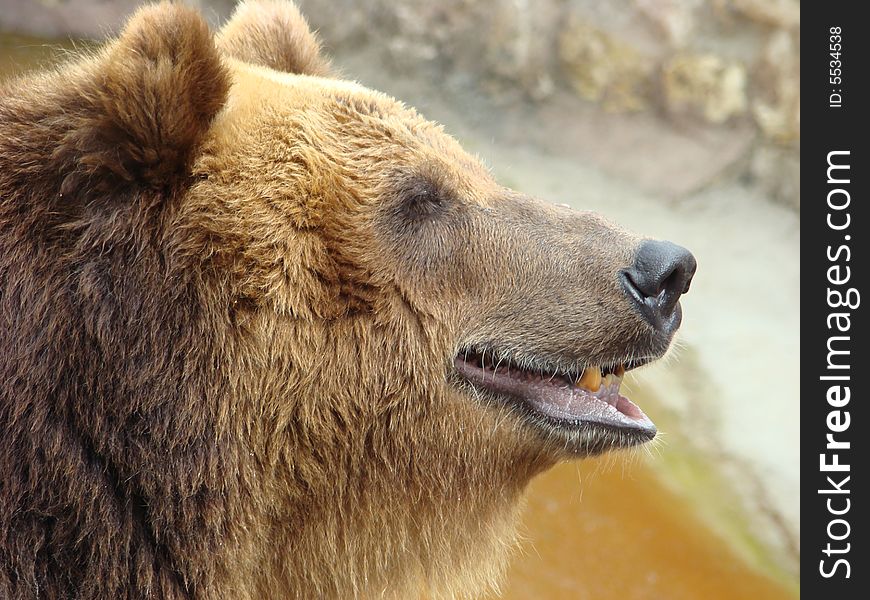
<point>146,102</point>
<point>272,33</point>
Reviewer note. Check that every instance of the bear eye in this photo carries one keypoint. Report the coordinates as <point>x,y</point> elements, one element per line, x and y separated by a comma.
<point>421,201</point>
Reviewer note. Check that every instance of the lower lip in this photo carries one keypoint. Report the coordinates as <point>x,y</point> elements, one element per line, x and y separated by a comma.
<point>567,405</point>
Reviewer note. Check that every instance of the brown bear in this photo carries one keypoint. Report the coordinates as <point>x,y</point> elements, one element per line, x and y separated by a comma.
<point>268,333</point>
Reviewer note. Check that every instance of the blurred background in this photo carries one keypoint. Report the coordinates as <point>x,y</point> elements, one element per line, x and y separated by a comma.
<point>680,119</point>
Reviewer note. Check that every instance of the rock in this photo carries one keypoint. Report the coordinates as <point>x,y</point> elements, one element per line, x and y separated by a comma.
<point>456,41</point>
<point>777,13</point>
<point>674,19</point>
<point>704,85</point>
<point>604,69</point>
<point>777,83</point>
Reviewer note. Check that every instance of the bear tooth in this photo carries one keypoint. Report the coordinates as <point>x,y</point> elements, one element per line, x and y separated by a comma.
<point>620,371</point>
<point>591,379</point>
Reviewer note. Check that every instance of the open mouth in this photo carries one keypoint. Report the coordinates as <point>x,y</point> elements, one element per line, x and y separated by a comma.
<point>568,398</point>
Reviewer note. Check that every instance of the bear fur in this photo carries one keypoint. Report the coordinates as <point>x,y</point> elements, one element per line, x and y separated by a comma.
<point>231,292</point>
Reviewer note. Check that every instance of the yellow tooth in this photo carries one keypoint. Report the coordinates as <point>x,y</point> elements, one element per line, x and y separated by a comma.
<point>591,379</point>
<point>620,371</point>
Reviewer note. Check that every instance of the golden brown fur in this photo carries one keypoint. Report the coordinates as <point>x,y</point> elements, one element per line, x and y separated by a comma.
<point>273,34</point>
<point>228,314</point>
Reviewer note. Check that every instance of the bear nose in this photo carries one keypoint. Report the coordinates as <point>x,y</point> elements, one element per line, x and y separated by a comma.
<point>661,273</point>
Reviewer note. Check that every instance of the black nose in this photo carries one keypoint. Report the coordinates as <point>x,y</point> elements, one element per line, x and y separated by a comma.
<point>661,273</point>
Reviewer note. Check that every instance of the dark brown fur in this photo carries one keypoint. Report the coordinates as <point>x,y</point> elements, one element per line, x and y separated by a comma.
<point>229,302</point>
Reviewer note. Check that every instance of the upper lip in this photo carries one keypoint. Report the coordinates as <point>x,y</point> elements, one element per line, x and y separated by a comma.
<point>561,366</point>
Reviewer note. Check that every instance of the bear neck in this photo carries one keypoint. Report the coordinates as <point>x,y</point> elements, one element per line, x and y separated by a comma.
<point>396,478</point>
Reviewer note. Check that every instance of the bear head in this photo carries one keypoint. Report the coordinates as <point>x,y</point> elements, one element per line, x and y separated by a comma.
<point>266,332</point>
